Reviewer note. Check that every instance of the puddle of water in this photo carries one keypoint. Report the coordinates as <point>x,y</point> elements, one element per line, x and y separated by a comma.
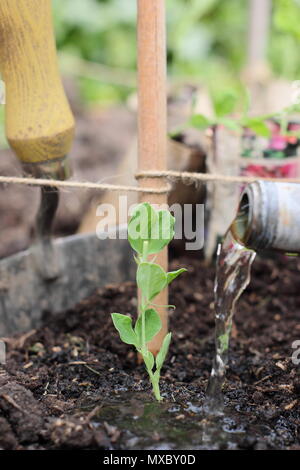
<point>149,425</point>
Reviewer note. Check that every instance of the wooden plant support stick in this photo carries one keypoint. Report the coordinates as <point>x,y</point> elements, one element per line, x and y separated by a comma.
<point>152,120</point>
<point>259,28</point>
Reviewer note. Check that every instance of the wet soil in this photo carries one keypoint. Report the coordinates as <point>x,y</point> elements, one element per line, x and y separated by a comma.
<point>72,384</point>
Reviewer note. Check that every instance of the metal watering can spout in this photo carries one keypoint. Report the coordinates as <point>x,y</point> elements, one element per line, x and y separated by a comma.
<point>268,217</point>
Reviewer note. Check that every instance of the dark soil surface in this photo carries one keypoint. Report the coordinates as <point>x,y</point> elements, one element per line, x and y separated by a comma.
<point>73,384</point>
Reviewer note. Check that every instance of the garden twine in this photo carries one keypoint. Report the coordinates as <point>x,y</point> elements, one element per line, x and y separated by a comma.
<point>187,178</point>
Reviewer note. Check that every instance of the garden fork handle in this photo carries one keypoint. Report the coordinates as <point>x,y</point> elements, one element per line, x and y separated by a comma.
<point>39,122</point>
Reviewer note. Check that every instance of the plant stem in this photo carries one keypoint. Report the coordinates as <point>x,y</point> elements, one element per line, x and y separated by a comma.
<point>155,387</point>
<point>144,301</point>
<point>143,310</point>
<point>145,251</point>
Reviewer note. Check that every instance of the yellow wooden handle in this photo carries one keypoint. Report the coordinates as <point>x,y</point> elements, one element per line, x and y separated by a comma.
<point>39,122</point>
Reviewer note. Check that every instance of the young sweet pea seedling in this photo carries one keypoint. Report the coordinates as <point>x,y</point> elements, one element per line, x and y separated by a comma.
<point>149,231</point>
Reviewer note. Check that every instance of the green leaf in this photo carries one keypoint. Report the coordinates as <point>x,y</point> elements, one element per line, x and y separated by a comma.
<point>200,122</point>
<point>152,226</point>
<point>124,326</point>
<point>152,325</point>
<point>161,356</point>
<point>149,360</point>
<point>151,279</point>
<point>173,274</point>
<point>258,126</point>
<point>162,233</point>
<point>140,225</point>
<point>225,104</point>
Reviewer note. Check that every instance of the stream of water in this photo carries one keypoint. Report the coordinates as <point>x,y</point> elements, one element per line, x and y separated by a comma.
<point>233,276</point>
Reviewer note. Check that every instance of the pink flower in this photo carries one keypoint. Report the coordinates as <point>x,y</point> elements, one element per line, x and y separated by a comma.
<point>278,142</point>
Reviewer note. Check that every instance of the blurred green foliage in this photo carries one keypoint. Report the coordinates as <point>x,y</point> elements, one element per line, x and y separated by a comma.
<point>207,39</point>
<point>207,43</point>
<point>104,31</point>
<point>284,48</point>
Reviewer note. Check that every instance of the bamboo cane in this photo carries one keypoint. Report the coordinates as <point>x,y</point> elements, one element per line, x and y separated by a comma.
<point>152,119</point>
<point>259,26</point>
